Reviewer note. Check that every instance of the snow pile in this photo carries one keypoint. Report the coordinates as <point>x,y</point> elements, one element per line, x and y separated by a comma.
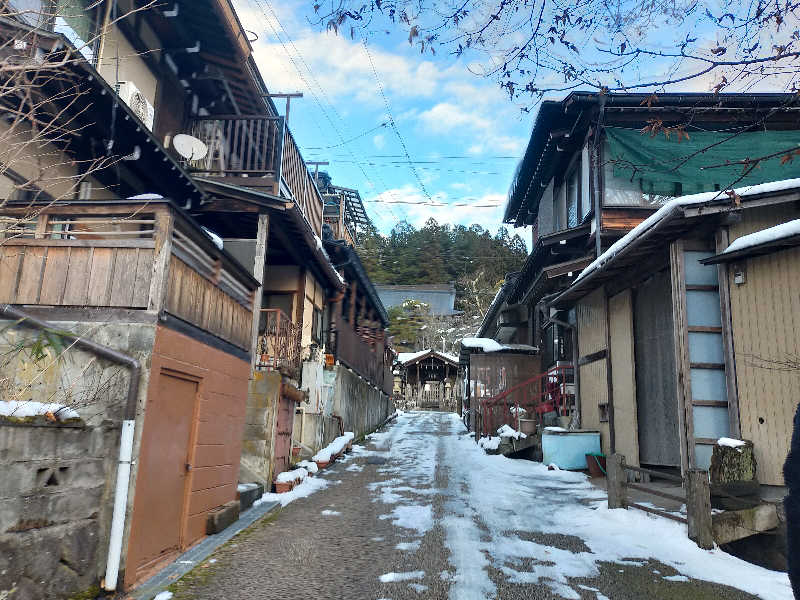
<point>337,446</point>
<point>14,408</point>
<point>489,443</point>
<point>290,476</point>
<point>307,487</point>
<point>409,576</point>
<point>309,466</point>
<point>506,431</point>
<point>554,429</point>
<point>517,410</point>
<point>765,236</point>
<point>163,596</point>
<point>243,487</point>
<point>730,442</point>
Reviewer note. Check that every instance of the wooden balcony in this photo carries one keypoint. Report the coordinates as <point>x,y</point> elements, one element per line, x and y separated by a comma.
<point>127,255</point>
<point>259,152</point>
<point>279,343</point>
<point>364,358</point>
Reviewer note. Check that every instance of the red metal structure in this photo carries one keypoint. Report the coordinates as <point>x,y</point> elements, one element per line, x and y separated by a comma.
<point>551,391</point>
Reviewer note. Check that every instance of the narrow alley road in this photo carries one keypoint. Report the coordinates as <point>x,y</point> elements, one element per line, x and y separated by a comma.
<point>420,511</point>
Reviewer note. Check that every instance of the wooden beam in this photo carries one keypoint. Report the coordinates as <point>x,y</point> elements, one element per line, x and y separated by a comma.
<point>259,268</point>
<point>732,390</point>
<point>681,341</point>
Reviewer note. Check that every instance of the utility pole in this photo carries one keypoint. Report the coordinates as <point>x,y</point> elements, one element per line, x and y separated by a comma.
<point>288,100</point>
<point>317,164</point>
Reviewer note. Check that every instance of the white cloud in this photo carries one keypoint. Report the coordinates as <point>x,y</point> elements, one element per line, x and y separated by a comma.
<point>379,141</point>
<point>410,204</point>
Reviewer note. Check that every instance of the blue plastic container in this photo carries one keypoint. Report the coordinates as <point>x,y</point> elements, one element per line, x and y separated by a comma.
<point>568,449</point>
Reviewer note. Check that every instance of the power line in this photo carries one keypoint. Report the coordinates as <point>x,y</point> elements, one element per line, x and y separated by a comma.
<point>314,94</point>
<point>393,124</point>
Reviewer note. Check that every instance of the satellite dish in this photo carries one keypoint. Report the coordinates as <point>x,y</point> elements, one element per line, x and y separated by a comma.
<point>189,146</point>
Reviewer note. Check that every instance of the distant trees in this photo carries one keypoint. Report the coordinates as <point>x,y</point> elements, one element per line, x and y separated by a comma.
<point>471,257</point>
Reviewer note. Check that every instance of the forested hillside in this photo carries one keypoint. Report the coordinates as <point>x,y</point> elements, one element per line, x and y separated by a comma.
<point>472,257</point>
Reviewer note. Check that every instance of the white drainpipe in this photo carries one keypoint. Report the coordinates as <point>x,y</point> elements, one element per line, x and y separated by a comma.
<point>120,505</point>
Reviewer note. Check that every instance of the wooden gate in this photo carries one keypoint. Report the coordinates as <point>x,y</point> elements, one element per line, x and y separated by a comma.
<point>284,422</point>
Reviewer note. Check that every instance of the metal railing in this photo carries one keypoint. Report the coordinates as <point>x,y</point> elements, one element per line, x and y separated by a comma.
<point>548,392</point>
<point>279,343</point>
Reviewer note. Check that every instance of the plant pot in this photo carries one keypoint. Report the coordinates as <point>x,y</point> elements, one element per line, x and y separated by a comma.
<point>596,464</point>
<point>295,451</point>
<point>527,426</point>
<point>282,487</point>
<point>349,446</point>
<point>321,464</point>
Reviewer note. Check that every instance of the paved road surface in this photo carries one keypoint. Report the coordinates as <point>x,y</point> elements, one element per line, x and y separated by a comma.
<point>420,512</point>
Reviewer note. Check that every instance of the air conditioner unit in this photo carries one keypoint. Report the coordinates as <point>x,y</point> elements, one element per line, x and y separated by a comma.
<point>140,105</point>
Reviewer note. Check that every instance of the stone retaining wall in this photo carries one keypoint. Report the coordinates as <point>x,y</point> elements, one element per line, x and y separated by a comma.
<point>54,507</point>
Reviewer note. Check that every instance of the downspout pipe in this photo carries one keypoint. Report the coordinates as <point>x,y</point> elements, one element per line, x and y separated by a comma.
<point>126,435</point>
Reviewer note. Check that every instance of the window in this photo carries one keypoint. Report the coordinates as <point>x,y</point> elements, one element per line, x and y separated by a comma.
<point>557,209</point>
<point>573,187</point>
<point>316,326</point>
<point>75,19</point>
<point>624,191</point>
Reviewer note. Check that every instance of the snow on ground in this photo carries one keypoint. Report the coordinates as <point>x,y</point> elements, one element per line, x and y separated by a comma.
<point>410,575</point>
<point>308,487</point>
<point>492,502</point>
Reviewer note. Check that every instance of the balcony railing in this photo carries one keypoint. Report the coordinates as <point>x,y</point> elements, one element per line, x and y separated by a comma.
<point>279,343</point>
<point>239,146</point>
<point>260,152</point>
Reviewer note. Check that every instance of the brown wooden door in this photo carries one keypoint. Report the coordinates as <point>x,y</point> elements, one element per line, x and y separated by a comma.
<point>159,517</point>
<point>283,434</point>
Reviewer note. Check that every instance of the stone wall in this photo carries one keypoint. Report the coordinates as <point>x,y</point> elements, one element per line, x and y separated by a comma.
<point>315,430</point>
<point>259,428</point>
<point>54,537</point>
<point>361,406</point>
<point>54,507</point>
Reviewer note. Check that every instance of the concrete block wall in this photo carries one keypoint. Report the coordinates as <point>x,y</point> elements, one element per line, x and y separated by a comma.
<point>259,428</point>
<point>361,406</point>
<point>54,508</point>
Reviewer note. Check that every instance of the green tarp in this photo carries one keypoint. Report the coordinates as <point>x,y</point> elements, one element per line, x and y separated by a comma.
<point>657,163</point>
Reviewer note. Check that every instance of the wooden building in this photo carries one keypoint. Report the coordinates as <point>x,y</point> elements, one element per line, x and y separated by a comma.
<point>207,270</point>
<point>597,165</point>
<point>688,329</point>
<point>428,380</point>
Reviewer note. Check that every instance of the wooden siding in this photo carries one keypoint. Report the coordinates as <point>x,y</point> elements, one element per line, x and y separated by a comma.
<point>623,379</point>
<point>197,300</point>
<point>76,272</point>
<point>765,315</point>
<point>592,337</point>
<point>620,220</point>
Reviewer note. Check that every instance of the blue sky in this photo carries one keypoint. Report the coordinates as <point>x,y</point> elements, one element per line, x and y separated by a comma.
<point>463,135</point>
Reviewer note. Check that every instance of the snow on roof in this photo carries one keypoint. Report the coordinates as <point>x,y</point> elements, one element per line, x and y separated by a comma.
<point>485,344</point>
<point>490,345</point>
<point>649,222</point>
<point>407,357</point>
<point>765,236</point>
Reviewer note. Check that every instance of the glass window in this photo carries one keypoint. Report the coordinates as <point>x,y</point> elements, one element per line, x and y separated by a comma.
<point>573,196</point>
<point>557,209</point>
<point>29,11</point>
<point>75,19</point>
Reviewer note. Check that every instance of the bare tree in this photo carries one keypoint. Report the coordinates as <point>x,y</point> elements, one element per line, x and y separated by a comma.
<point>44,109</point>
<point>537,47</point>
